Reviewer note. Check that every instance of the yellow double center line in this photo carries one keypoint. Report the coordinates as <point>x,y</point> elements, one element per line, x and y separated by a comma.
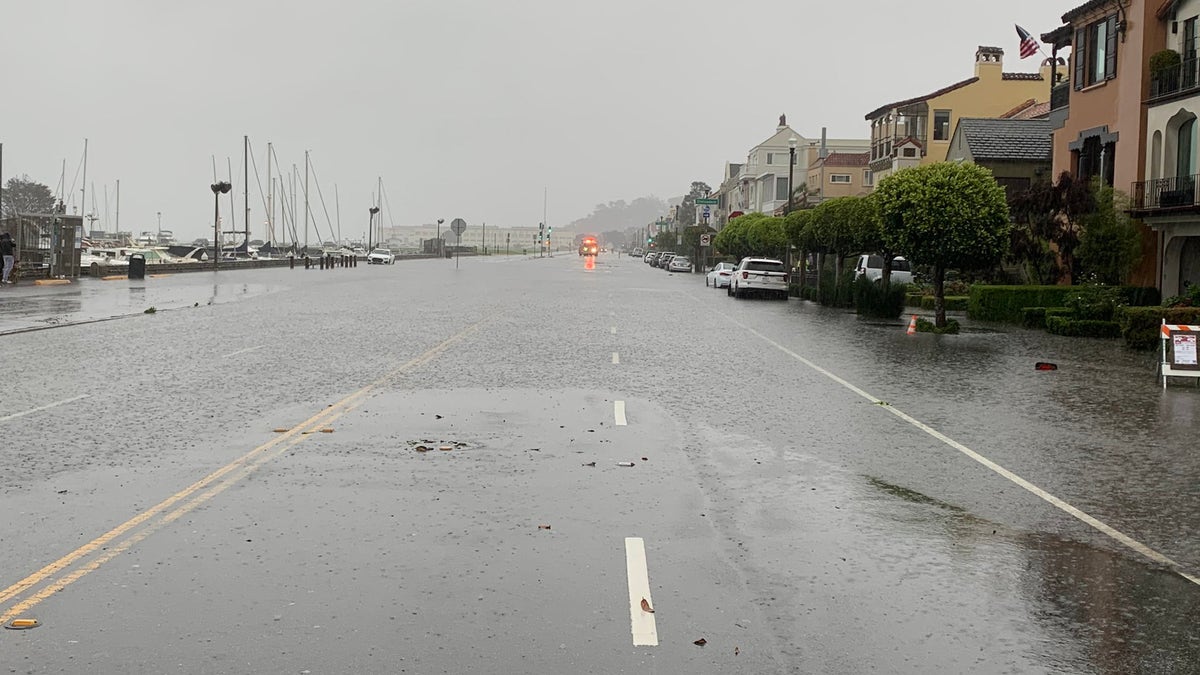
<point>147,522</point>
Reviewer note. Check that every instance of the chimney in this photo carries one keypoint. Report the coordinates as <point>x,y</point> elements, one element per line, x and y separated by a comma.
<point>989,63</point>
<point>824,148</point>
<point>1049,72</point>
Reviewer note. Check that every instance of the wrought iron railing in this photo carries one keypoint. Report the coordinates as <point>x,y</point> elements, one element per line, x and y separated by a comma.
<point>1174,79</point>
<point>1060,96</point>
<point>1166,193</point>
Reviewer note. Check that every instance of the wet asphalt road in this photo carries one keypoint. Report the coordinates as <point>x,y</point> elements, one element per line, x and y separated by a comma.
<point>803,482</point>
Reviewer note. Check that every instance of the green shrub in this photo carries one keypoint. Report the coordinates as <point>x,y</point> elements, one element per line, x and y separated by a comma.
<point>1189,298</point>
<point>1060,325</point>
<point>1007,303</point>
<point>1141,326</point>
<point>837,293</point>
<point>1095,303</point>
<point>925,326</point>
<point>954,303</point>
<point>870,299</point>
<point>1033,317</point>
<point>913,299</point>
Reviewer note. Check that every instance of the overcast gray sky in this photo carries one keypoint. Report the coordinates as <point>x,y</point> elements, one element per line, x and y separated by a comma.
<point>465,108</point>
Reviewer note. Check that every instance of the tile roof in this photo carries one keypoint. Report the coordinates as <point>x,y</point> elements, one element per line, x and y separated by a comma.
<point>1033,112</point>
<point>846,159</point>
<point>1021,76</point>
<point>1013,113</point>
<point>908,101</point>
<point>1084,9</point>
<point>1011,139</point>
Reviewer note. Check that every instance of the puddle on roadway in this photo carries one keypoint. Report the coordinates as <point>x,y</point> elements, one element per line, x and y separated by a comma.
<point>1095,609</point>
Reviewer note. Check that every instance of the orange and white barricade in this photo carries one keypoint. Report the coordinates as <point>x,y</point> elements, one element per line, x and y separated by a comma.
<point>1179,351</point>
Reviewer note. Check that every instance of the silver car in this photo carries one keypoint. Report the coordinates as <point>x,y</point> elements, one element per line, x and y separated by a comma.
<point>679,264</point>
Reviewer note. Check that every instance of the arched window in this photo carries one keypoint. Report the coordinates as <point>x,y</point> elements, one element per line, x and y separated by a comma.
<point>1185,149</point>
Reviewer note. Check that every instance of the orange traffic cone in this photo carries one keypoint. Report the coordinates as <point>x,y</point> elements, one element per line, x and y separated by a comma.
<point>912,325</point>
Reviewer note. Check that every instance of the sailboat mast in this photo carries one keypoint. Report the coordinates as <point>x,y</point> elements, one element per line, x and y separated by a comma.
<point>117,228</point>
<point>246,190</point>
<point>379,205</point>
<point>306,200</point>
<point>270,201</point>
<point>83,191</point>
<point>337,209</point>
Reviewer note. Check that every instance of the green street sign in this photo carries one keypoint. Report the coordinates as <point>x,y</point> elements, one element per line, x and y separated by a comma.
<point>710,202</point>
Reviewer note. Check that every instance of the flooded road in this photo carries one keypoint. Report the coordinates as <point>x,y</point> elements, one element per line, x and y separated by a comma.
<point>260,484</point>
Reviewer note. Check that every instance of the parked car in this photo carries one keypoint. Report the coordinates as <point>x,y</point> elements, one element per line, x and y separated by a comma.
<point>759,275</point>
<point>650,256</point>
<point>664,260</point>
<point>381,256</point>
<point>720,275</point>
<point>679,264</point>
<point>871,266</point>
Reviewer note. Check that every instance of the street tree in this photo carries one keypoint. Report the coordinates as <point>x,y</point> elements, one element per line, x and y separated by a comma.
<point>947,216</point>
<point>732,239</point>
<point>1049,227</point>
<point>799,234</point>
<point>22,195</point>
<point>1109,246</point>
<point>766,236</point>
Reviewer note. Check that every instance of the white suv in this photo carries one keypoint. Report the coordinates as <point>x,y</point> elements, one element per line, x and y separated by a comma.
<point>762,275</point>
<point>871,266</point>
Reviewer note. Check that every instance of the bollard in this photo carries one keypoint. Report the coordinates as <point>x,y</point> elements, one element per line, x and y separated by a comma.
<point>291,262</point>
<point>307,262</point>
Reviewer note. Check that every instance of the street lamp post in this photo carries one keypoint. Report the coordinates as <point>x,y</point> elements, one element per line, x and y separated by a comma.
<point>791,169</point>
<point>371,226</point>
<point>437,242</point>
<point>218,189</point>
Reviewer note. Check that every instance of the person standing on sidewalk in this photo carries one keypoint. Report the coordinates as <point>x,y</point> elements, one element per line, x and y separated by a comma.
<point>8,255</point>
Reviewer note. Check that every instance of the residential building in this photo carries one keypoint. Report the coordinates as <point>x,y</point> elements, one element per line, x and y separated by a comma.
<point>918,130</point>
<point>1017,151</point>
<point>1098,116</point>
<point>728,195</point>
<point>839,174</point>
<point>1168,200</point>
<point>762,183</point>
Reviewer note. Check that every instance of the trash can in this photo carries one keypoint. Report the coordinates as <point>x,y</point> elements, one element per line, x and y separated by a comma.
<point>137,266</point>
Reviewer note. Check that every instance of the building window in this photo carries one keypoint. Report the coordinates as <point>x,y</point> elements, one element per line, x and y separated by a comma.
<point>781,187</point>
<point>941,125</point>
<point>910,152</point>
<point>868,178</point>
<point>839,178</point>
<point>1185,149</point>
<point>1096,52</point>
<point>770,158</point>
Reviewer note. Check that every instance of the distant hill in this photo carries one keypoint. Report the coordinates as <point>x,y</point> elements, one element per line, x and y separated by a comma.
<point>621,215</point>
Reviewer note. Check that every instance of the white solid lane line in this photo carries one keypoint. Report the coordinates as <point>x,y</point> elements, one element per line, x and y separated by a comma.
<point>645,630</point>
<point>619,412</point>
<point>45,407</point>
<point>616,358</point>
<point>1100,525</point>
<point>242,351</point>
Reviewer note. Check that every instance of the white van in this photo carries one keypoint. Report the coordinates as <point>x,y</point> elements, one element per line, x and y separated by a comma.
<point>871,266</point>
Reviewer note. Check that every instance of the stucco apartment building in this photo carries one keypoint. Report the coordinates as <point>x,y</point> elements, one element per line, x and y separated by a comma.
<point>918,130</point>
<point>1168,199</point>
<point>761,182</point>
<point>1098,116</point>
<point>840,174</point>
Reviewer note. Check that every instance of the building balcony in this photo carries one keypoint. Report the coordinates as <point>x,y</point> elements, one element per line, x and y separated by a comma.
<point>1060,96</point>
<point>1165,196</point>
<point>1176,80</point>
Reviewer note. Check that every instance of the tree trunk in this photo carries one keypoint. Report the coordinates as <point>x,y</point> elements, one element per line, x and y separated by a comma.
<point>837,278</point>
<point>939,296</point>
<point>803,274</point>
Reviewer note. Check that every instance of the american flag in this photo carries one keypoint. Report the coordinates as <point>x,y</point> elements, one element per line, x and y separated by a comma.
<point>1029,46</point>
